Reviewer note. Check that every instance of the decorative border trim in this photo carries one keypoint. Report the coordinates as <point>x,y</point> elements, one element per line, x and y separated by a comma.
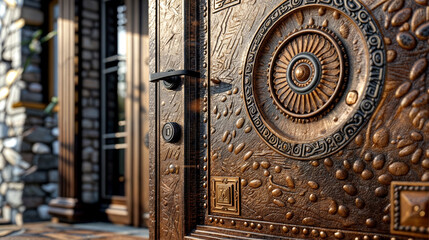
<point>274,230</point>
<point>333,143</point>
<point>220,5</point>
<point>205,8</point>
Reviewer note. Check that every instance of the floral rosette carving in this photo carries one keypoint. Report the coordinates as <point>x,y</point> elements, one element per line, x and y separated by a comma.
<point>307,73</point>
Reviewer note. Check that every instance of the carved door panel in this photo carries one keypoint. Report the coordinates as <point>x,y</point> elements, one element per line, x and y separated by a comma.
<point>310,119</point>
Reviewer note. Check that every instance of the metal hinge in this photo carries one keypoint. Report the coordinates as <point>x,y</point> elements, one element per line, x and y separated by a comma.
<point>171,78</point>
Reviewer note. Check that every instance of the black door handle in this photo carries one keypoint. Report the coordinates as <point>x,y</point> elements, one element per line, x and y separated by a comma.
<point>171,78</point>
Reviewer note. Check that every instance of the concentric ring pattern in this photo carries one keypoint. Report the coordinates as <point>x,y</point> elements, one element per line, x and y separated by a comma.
<point>307,73</point>
<point>322,66</point>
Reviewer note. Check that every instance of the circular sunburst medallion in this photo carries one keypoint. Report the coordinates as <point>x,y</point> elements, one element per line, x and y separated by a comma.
<point>313,76</point>
<point>306,73</point>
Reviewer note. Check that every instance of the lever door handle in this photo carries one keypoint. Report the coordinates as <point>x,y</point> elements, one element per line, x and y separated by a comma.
<point>155,77</point>
<point>171,78</point>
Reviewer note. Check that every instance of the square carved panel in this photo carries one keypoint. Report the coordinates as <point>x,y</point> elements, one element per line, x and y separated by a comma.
<point>225,195</point>
<point>410,208</point>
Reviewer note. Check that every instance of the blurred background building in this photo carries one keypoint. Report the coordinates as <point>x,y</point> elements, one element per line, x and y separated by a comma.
<point>73,111</point>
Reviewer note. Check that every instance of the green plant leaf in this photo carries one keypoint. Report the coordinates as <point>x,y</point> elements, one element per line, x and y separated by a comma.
<point>37,34</point>
<point>48,36</point>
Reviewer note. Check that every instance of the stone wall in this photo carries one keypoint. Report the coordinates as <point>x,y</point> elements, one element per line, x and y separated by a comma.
<point>40,130</point>
<point>12,166</point>
<point>28,137</point>
<point>41,150</point>
<point>90,99</point>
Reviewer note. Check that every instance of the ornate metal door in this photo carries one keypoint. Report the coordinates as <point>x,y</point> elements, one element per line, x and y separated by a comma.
<point>307,119</point>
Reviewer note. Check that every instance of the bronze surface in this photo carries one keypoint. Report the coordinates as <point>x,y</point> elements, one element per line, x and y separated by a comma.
<point>306,168</point>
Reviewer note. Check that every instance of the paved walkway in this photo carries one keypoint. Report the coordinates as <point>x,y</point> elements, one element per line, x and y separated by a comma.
<point>60,231</point>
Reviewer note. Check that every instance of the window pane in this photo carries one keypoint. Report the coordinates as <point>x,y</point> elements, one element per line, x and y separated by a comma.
<point>122,20</point>
<point>114,102</point>
<point>115,172</point>
<point>115,28</point>
<point>114,95</point>
<point>116,140</point>
<point>115,66</point>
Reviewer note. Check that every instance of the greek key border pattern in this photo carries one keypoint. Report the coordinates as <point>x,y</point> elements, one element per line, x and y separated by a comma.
<point>224,4</point>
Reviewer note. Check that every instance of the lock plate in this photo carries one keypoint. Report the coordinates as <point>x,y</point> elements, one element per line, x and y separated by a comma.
<point>171,132</point>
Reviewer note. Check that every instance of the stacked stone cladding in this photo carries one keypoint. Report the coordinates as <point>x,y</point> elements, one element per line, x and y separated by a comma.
<point>11,164</point>
<point>40,145</point>
<point>28,136</point>
<point>90,99</point>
